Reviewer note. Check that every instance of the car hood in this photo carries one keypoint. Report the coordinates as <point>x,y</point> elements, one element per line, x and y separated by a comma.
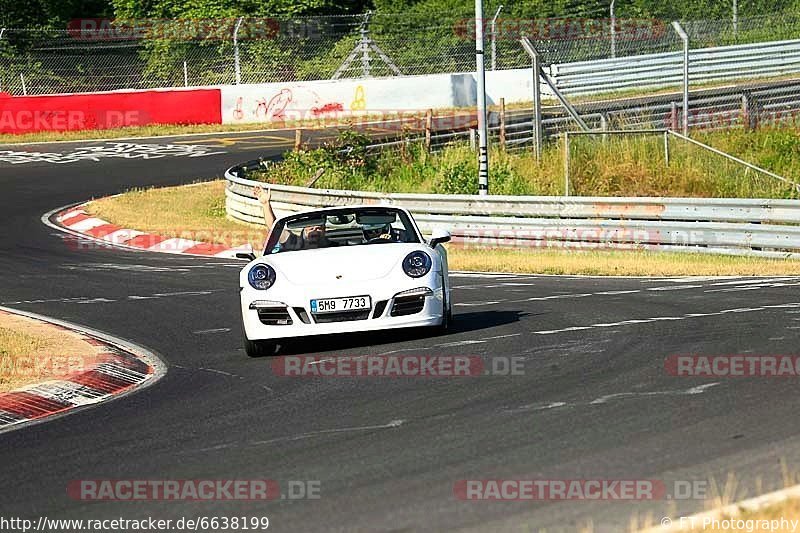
<point>345,263</point>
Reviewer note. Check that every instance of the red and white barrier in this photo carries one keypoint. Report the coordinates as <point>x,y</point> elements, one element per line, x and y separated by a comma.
<point>70,112</point>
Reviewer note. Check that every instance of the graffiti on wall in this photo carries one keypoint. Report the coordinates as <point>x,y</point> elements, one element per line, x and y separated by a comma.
<point>288,103</point>
<point>359,102</point>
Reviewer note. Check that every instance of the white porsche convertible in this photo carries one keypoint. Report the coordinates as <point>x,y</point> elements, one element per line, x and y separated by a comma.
<point>344,269</point>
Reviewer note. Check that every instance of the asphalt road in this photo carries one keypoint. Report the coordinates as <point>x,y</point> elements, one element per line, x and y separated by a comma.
<point>590,403</point>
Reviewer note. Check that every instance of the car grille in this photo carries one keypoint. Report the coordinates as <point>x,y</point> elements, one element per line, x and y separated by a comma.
<point>274,316</point>
<point>343,316</point>
<point>407,305</point>
<point>380,307</point>
<point>300,312</point>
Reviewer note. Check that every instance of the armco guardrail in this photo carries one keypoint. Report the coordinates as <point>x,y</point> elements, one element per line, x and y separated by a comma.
<point>658,70</point>
<point>730,226</point>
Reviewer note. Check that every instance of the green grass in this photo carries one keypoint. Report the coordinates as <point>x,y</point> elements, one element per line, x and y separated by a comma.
<point>618,166</point>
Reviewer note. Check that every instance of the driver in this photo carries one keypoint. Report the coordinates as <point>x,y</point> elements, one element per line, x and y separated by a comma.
<point>384,231</point>
<point>310,237</point>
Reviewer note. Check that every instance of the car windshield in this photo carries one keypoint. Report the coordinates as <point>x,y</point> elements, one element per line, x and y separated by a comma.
<point>341,227</point>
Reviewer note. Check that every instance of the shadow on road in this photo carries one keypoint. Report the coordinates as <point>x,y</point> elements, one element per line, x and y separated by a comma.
<point>462,323</point>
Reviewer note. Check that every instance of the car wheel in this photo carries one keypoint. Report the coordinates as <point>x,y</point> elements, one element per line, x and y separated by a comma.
<point>447,316</point>
<point>258,348</point>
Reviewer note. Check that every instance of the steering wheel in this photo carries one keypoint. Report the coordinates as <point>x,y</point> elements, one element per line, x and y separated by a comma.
<point>379,240</point>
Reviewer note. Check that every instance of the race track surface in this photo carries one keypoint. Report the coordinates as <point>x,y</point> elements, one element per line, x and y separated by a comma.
<point>593,402</point>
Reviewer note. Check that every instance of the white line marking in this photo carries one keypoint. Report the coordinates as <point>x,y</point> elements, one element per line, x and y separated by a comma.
<point>613,293</point>
<point>558,297</point>
<point>460,343</point>
<point>185,293</point>
<point>390,425</point>
<point>322,361</point>
<point>215,371</point>
<point>95,301</point>
<point>694,390</point>
<point>536,407</point>
<point>674,288</point>
<point>477,304</point>
<point>217,330</point>
<point>657,319</point>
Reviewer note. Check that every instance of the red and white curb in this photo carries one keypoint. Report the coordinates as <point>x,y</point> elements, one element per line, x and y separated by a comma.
<point>120,369</point>
<point>77,221</point>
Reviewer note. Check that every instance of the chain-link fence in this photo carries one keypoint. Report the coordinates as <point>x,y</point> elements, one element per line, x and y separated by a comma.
<point>95,54</point>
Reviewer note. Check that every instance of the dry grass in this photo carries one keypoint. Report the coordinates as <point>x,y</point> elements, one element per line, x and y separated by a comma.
<point>195,212</point>
<point>33,351</point>
<point>616,263</point>
<point>783,513</point>
<point>198,212</point>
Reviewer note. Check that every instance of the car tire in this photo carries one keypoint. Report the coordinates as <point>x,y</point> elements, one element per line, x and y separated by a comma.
<point>447,316</point>
<point>258,348</point>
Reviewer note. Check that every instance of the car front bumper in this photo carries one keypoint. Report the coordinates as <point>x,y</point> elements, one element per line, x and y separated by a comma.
<point>268,316</point>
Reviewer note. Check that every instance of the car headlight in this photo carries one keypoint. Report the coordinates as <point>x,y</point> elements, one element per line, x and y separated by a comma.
<point>417,264</point>
<point>261,277</point>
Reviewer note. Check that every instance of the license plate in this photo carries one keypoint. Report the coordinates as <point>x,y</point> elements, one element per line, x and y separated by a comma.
<point>337,305</point>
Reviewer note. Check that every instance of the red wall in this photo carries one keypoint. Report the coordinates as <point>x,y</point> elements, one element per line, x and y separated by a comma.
<point>25,114</point>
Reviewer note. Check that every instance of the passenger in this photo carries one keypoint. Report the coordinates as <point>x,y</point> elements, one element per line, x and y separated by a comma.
<point>311,236</point>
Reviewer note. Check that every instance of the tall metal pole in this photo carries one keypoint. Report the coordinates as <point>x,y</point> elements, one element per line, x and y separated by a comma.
<point>536,81</point>
<point>679,30</point>
<point>483,150</point>
<point>365,59</point>
<point>735,19</point>
<point>614,31</point>
<point>2,31</point>
<point>494,37</point>
<point>236,67</point>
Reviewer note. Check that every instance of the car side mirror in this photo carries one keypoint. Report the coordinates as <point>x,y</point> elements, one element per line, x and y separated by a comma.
<point>439,236</point>
<point>246,253</point>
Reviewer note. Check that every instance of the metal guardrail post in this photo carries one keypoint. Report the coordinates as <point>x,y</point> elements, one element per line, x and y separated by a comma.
<point>237,70</point>
<point>502,123</point>
<point>613,30</point>
<point>428,128</point>
<point>685,38</point>
<point>483,130</point>
<point>494,37</point>
<point>745,113</point>
<point>604,125</point>
<point>566,163</point>
<point>673,116</point>
<point>536,69</point>
<point>666,148</point>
